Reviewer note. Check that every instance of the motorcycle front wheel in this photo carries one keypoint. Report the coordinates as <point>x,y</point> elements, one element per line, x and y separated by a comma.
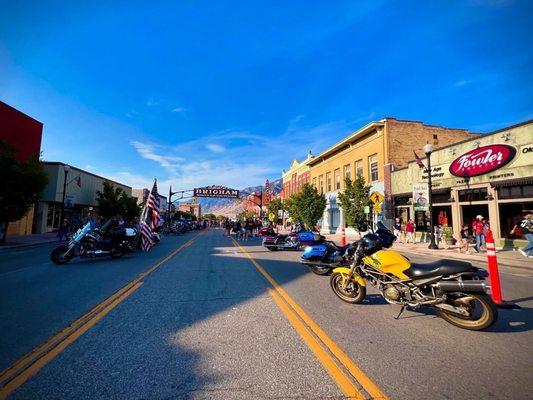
<point>354,292</point>
<point>481,309</point>
<point>58,256</point>
<point>320,270</point>
<point>116,253</point>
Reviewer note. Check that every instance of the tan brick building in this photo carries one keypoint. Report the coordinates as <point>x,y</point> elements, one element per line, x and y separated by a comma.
<point>374,151</point>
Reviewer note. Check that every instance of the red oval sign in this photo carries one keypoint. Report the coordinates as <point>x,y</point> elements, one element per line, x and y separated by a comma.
<point>482,160</point>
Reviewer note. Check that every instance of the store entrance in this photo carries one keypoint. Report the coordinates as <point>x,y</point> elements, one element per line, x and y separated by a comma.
<point>469,213</point>
<point>442,215</point>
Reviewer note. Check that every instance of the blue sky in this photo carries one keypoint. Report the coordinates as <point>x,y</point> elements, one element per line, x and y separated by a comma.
<point>215,92</point>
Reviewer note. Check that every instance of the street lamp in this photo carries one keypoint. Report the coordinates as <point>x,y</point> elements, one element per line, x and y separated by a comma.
<point>66,168</point>
<point>428,149</point>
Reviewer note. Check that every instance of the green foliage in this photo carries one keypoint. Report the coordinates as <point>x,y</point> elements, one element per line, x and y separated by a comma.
<point>113,201</point>
<point>447,231</point>
<point>220,218</point>
<point>245,215</point>
<point>275,206</point>
<point>307,206</point>
<point>20,186</point>
<point>210,216</point>
<point>353,200</point>
<point>130,209</point>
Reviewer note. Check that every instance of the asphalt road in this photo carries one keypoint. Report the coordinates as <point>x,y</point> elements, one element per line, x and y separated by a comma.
<point>205,325</point>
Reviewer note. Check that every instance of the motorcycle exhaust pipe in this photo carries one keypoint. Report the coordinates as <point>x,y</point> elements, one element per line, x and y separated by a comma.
<point>463,286</point>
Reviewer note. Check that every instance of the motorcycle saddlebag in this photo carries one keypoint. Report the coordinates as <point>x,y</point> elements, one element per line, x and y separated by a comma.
<point>308,238</point>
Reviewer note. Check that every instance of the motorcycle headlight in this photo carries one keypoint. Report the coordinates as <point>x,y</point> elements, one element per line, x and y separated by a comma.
<point>308,248</point>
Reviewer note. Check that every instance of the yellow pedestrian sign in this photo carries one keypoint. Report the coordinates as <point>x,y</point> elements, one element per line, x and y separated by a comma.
<point>376,198</point>
<point>271,216</point>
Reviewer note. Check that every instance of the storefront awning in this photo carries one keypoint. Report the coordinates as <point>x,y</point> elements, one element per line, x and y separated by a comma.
<point>513,182</point>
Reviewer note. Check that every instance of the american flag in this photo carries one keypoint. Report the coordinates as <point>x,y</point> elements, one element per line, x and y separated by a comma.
<point>149,218</point>
<point>419,161</point>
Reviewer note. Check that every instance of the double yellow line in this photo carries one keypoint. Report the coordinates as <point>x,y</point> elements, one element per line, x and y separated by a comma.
<point>19,372</point>
<point>348,376</point>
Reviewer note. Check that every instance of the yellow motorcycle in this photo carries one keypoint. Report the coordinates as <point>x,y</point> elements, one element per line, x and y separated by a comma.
<point>456,289</point>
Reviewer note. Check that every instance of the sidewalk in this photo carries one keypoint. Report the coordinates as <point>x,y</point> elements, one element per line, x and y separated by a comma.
<point>36,239</point>
<point>508,258</point>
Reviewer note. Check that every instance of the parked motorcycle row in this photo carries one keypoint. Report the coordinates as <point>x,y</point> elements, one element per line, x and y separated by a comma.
<point>455,289</point>
<point>110,240</point>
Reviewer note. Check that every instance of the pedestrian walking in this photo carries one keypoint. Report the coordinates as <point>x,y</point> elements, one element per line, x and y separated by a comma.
<point>397,229</point>
<point>526,227</point>
<point>410,231</point>
<point>63,231</point>
<point>478,227</point>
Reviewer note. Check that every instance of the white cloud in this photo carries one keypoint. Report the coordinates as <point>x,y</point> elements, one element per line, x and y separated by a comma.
<point>245,159</point>
<point>178,110</point>
<point>462,82</point>
<point>215,148</point>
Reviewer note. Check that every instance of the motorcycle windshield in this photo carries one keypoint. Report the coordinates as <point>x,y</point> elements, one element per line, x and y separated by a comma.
<point>81,233</point>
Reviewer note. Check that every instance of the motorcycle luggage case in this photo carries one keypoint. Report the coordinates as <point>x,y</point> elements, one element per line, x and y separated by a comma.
<point>315,252</point>
<point>309,238</point>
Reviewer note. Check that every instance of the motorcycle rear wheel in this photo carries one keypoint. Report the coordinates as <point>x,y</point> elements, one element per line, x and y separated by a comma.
<point>486,312</point>
<point>355,293</point>
<point>57,256</point>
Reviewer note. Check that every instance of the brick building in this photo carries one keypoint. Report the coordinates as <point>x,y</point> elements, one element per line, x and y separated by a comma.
<point>296,176</point>
<point>24,134</point>
<point>373,152</point>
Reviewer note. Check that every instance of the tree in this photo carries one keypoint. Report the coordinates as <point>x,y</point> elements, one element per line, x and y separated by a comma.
<point>109,200</point>
<point>308,205</point>
<point>113,201</point>
<point>220,218</point>
<point>209,216</point>
<point>353,201</point>
<point>245,215</point>
<point>275,206</point>
<point>129,207</point>
<point>21,183</point>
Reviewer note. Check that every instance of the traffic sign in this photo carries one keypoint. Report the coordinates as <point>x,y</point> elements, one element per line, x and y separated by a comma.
<point>376,198</point>
<point>271,216</point>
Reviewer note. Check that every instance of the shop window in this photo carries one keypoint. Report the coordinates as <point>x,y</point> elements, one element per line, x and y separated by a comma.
<point>514,192</point>
<point>328,182</point>
<point>511,214</point>
<point>373,167</point>
<point>473,195</point>
<point>441,197</point>
<point>401,201</point>
<point>359,168</point>
<point>337,176</point>
<point>347,172</point>
<point>314,183</point>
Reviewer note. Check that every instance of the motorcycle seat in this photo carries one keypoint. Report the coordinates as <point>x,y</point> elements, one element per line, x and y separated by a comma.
<point>339,248</point>
<point>437,268</point>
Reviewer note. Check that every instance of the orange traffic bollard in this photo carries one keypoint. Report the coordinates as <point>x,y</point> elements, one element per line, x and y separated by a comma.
<point>494,275</point>
<point>343,237</point>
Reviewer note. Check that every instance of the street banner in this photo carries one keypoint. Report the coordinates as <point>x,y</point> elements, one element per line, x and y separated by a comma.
<point>420,197</point>
<point>216,191</point>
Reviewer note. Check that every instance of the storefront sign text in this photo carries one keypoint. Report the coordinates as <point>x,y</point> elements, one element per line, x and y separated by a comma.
<point>482,160</point>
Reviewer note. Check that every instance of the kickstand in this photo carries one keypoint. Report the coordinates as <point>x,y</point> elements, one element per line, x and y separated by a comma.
<point>400,313</point>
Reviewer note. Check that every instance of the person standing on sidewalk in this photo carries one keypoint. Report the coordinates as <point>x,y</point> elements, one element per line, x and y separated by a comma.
<point>464,239</point>
<point>410,231</point>
<point>479,230</point>
<point>526,226</point>
<point>398,229</point>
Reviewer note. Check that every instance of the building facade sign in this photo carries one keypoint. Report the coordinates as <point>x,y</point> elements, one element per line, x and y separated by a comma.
<point>216,191</point>
<point>482,160</point>
<point>420,197</point>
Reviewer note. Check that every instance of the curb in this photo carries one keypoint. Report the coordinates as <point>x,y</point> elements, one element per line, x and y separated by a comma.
<point>23,245</point>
